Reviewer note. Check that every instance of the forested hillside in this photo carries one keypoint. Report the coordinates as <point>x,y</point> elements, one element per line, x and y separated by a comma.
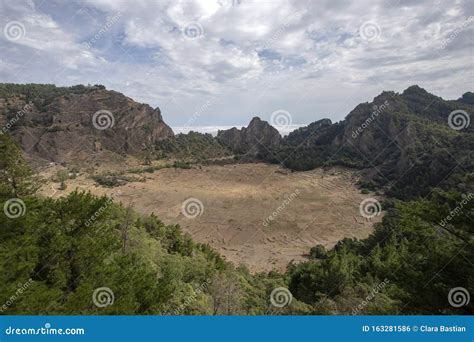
<point>193,146</point>
<point>57,255</point>
<point>407,143</point>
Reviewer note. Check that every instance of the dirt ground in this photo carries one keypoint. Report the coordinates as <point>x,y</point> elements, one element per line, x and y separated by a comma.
<point>254,214</point>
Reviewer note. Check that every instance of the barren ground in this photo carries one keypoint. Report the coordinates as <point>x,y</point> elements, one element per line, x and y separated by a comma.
<point>308,208</point>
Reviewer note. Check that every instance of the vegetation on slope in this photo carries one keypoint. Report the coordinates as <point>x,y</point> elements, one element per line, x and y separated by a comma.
<point>42,94</point>
<point>65,249</point>
<point>407,147</point>
<point>192,146</point>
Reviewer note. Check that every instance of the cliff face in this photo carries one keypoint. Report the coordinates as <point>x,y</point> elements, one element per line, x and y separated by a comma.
<point>63,126</point>
<point>255,140</point>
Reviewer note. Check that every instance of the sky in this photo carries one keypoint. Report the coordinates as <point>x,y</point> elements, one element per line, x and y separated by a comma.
<point>221,62</point>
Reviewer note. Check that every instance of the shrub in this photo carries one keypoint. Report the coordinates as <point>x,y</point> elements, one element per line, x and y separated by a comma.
<point>318,252</point>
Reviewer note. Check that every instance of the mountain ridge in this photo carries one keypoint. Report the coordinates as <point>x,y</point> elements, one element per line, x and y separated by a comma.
<point>64,124</point>
<point>406,142</point>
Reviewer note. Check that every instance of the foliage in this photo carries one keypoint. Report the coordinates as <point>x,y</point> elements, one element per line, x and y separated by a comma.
<point>42,94</point>
<point>193,146</point>
<point>415,256</point>
<point>318,252</point>
<point>179,164</point>
<point>113,180</point>
<point>16,177</point>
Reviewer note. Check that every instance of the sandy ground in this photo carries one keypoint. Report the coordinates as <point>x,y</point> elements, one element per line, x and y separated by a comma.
<point>306,208</point>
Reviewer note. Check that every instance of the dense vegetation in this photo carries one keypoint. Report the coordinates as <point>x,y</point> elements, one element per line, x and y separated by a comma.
<point>42,94</point>
<point>71,246</point>
<point>416,259</point>
<point>68,250</point>
<point>192,146</point>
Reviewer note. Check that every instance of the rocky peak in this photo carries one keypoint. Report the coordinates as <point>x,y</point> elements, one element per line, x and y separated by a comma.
<point>467,98</point>
<point>415,89</point>
<point>254,140</point>
<point>321,123</point>
<point>71,124</point>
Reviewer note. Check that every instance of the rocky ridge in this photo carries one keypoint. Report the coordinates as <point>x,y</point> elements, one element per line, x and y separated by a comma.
<point>79,123</point>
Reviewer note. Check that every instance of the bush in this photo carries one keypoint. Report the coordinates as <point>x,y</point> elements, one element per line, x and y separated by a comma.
<point>62,186</point>
<point>181,165</point>
<point>111,180</point>
<point>318,252</point>
<point>61,176</point>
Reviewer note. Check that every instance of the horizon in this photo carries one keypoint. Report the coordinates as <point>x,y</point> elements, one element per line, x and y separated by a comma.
<point>229,61</point>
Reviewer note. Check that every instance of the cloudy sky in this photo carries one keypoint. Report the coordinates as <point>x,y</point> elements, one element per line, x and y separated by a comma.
<point>209,63</point>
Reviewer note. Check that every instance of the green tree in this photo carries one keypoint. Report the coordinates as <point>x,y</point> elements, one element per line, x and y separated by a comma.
<point>16,177</point>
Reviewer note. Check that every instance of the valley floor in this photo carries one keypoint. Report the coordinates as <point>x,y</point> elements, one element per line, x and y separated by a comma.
<point>306,208</point>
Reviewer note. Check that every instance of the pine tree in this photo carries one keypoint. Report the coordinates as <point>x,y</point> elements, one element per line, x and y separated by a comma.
<point>16,177</point>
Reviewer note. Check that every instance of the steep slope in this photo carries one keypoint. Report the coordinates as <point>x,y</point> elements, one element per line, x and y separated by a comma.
<point>78,123</point>
<point>408,143</point>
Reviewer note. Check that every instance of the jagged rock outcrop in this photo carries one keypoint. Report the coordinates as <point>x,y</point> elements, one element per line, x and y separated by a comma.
<point>255,140</point>
<point>79,123</point>
<point>467,98</point>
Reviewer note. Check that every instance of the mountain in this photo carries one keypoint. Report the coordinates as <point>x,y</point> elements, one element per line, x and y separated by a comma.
<point>79,123</point>
<point>255,140</point>
<point>407,143</point>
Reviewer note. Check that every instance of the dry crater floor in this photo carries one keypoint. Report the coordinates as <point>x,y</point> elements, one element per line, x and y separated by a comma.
<point>307,208</point>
